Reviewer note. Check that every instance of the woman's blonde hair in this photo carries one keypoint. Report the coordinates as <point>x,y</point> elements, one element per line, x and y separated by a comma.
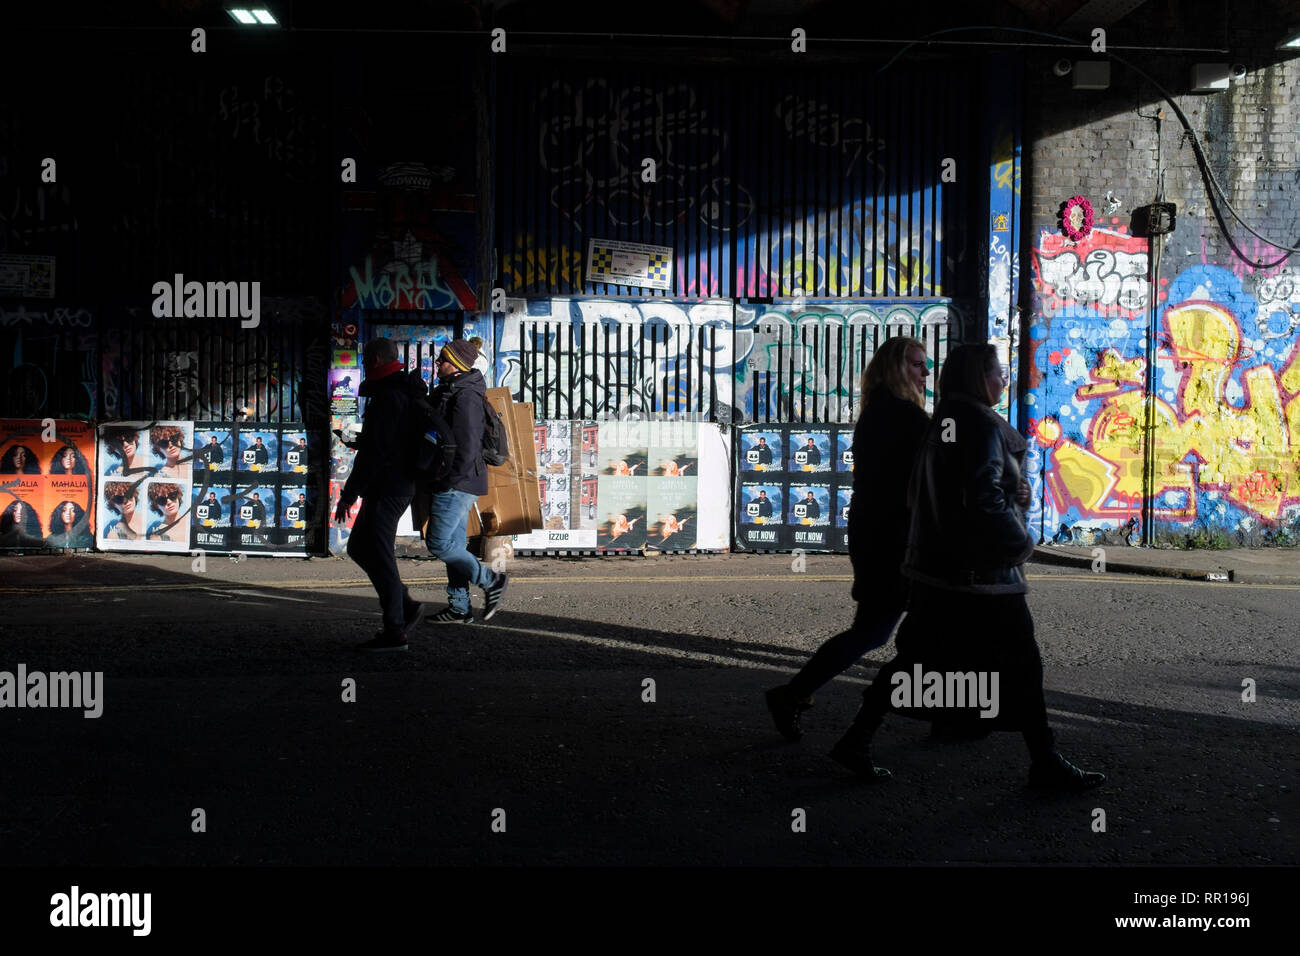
<point>888,368</point>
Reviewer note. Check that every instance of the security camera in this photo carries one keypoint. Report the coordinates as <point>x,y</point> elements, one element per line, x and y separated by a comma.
<point>1238,71</point>
<point>1062,67</point>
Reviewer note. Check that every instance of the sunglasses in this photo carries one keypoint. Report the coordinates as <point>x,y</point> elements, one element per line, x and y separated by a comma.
<point>175,496</point>
<point>175,441</point>
<point>119,500</point>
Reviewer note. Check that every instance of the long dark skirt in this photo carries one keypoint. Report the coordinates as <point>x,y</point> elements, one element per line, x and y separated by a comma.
<point>955,634</point>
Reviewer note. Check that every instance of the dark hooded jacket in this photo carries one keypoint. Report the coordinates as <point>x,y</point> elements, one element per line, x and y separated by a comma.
<point>968,533</point>
<point>459,400</point>
<point>385,462</point>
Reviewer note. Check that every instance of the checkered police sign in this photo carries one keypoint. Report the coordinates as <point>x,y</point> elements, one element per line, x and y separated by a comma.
<point>630,263</point>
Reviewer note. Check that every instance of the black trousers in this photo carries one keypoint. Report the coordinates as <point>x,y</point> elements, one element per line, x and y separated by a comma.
<point>879,608</point>
<point>948,631</point>
<point>371,547</point>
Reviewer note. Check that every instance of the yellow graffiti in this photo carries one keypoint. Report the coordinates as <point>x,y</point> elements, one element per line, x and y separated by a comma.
<point>541,265</point>
<point>1112,374</point>
<point>1006,173</point>
<point>1249,453</point>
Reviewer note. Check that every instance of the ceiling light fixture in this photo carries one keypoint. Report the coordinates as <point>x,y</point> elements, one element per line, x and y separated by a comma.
<point>258,16</point>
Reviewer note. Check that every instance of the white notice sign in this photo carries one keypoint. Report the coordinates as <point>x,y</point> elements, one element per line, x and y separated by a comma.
<point>630,263</point>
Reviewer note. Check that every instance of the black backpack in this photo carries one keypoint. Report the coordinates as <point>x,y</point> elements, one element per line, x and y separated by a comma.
<point>429,455</point>
<point>496,446</point>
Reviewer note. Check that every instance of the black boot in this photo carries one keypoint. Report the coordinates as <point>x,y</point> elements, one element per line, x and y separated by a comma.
<point>1054,772</point>
<point>786,711</point>
<point>853,751</point>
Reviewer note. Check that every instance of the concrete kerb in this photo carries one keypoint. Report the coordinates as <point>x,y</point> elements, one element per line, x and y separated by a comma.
<point>1269,566</point>
<point>1048,556</point>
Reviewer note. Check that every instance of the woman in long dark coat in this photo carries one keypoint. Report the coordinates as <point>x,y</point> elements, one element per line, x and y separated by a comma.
<point>885,444</point>
<point>967,612</point>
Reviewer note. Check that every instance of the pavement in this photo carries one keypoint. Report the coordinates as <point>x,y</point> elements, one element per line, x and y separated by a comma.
<point>1242,565</point>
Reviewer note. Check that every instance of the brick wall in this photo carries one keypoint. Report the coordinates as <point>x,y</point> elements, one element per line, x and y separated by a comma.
<point>1224,388</point>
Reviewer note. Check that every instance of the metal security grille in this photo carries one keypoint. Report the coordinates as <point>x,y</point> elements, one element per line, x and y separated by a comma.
<point>761,364</point>
<point>617,370</point>
<point>810,371</point>
<point>202,369</point>
<point>767,182</point>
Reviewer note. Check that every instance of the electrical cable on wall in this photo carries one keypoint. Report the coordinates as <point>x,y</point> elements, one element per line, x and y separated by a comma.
<point>1207,174</point>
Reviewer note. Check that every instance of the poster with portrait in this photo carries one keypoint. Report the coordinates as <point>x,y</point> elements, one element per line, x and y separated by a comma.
<point>214,451</point>
<point>295,452</point>
<point>259,449</point>
<point>47,484</point>
<point>809,451</point>
<point>760,516</point>
<point>674,449</point>
<point>621,513</point>
<point>672,517</point>
<point>844,449</point>
<point>146,484</point>
<point>810,515</point>
<point>624,449</point>
<point>761,450</point>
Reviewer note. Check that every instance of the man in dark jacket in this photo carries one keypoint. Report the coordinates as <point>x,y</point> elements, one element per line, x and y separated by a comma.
<point>383,476</point>
<point>460,400</point>
<point>260,454</point>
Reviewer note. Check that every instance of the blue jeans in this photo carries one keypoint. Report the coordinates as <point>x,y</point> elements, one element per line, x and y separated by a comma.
<point>445,537</point>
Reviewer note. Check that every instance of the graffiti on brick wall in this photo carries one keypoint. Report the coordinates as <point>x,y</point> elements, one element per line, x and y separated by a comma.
<point>1106,271</point>
<point>606,358</point>
<point>1226,413</point>
<point>408,240</point>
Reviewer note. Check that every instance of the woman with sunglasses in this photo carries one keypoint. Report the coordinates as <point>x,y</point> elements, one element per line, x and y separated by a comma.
<point>121,498</point>
<point>168,443</point>
<point>122,442</point>
<point>165,499</point>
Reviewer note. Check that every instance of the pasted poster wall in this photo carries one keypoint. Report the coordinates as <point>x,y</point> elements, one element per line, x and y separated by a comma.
<point>47,471</point>
<point>146,476</point>
<point>630,486</point>
<point>794,484</point>
<point>254,487</point>
<point>1225,406</point>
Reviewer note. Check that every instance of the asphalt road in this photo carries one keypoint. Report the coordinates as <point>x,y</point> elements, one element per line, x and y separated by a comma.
<point>223,690</point>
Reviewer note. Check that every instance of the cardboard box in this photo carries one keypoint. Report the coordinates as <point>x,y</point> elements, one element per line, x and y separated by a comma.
<point>512,504</point>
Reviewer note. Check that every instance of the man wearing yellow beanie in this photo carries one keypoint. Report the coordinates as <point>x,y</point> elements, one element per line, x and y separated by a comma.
<point>460,399</point>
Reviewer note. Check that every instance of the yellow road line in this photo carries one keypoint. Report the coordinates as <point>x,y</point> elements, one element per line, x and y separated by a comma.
<point>348,583</point>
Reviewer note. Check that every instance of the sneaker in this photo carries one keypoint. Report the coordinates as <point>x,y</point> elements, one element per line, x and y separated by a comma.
<point>493,593</point>
<point>786,712</point>
<point>449,616</point>
<point>1057,773</point>
<point>413,613</point>
<point>385,641</point>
